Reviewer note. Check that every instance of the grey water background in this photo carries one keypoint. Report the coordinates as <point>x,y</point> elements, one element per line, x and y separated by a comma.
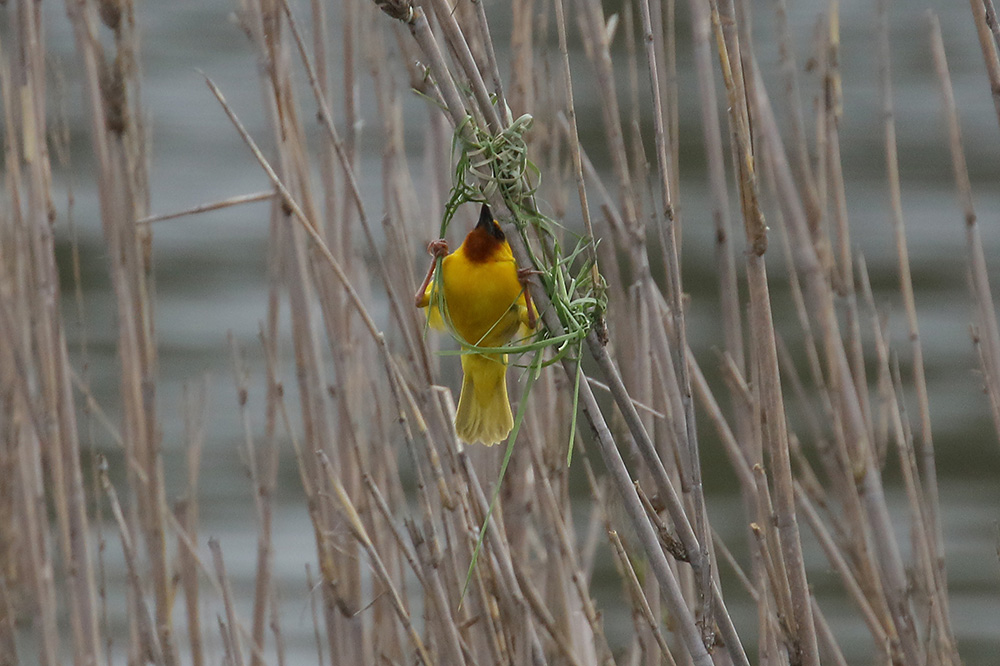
<point>211,279</point>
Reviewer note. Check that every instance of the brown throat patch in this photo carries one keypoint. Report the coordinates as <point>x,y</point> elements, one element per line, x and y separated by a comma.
<point>480,246</point>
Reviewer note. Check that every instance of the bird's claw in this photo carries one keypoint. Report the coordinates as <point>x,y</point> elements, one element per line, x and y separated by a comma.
<point>437,248</point>
<point>523,275</point>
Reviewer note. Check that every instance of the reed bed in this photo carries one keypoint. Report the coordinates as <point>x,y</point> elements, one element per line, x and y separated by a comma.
<point>422,555</point>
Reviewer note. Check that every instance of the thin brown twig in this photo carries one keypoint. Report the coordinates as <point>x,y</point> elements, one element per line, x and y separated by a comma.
<point>361,534</point>
<point>228,628</point>
<point>206,208</point>
<point>150,638</point>
<point>639,599</point>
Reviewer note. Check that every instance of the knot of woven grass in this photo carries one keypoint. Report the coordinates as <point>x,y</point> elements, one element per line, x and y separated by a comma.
<point>498,163</point>
<point>501,161</point>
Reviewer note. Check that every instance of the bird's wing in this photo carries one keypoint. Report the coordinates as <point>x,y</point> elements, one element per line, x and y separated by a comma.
<point>434,318</point>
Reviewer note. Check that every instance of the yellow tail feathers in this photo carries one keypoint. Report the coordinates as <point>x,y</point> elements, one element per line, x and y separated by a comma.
<point>483,409</point>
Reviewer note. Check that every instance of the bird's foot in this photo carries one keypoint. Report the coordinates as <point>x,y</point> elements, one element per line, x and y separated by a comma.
<point>437,248</point>
<point>523,276</point>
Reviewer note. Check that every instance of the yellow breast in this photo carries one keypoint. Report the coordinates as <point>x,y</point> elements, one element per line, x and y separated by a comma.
<point>485,299</point>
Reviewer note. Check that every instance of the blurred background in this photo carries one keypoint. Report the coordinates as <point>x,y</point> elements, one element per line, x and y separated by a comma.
<point>211,278</point>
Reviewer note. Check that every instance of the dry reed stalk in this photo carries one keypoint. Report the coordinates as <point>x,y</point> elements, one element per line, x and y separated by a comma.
<point>427,567</point>
<point>455,38</point>
<point>875,504</point>
<point>26,564</point>
<point>820,302</point>
<point>118,141</point>
<point>573,135</point>
<point>985,18</point>
<point>152,649</point>
<point>636,426</point>
<point>301,217</point>
<point>835,456</point>
<point>691,471</point>
<point>664,20</point>
<point>521,98</point>
<point>401,202</point>
<point>541,611</point>
<point>263,23</point>
<point>638,597</point>
<point>596,39</point>
<point>456,108</point>
<point>809,340</point>
<point>925,574</point>
<point>275,415</point>
<point>737,458</point>
<point>636,158</point>
<point>187,510</point>
<point>275,626</point>
<point>991,21</point>
<point>528,598</point>
<point>942,646</point>
<point>768,538</point>
<point>801,635</point>
<point>321,59</point>
<point>185,541</point>
<point>690,543</point>
<point>712,135</point>
<point>690,547</point>
<point>491,59</point>
<point>230,636</point>
<point>564,554</point>
<point>745,403</point>
<point>794,117</point>
<point>28,568</point>
<point>346,159</point>
<point>843,569</point>
<point>928,465</point>
<point>990,388</point>
<point>360,533</point>
<point>343,224</point>
<point>263,477</point>
<point>985,314</point>
<point>842,280</point>
<point>808,411</point>
<point>317,633</point>
<point>827,640</point>
<point>39,356</point>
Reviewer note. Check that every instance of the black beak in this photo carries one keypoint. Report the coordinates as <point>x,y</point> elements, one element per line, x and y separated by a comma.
<point>488,224</point>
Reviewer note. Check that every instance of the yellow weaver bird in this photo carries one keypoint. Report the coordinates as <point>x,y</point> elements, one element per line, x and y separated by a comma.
<point>488,305</point>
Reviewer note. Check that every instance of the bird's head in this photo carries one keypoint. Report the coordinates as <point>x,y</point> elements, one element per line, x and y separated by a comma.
<point>489,225</point>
